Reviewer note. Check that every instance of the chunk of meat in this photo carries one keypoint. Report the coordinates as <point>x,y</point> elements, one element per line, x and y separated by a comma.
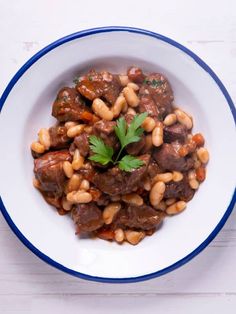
<point>105,130</point>
<point>135,75</point>
<point>135,148</point>
<point>82,143</point>
<point>153,169</point>
<point>99,84</point>
<point>49,171</point>
<point>168,159</point>
<point>87,217</point>
<point>157,88</point>
<point>148,105</point>
<point>180,190</point>
<point>87,171</point>
<point>69,105</point>
<point>139,217</point>
<point>115,181</point>
<point>176,132</point>
<point>51,199</point>
<point>58,137</point>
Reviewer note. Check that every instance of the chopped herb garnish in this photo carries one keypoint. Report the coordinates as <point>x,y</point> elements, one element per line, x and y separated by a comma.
<point>77,79</point>
<point>126,135</point>
<point>103,153</point>
<point>63,98</point>
<point>154,83</point>
<point>128,163</point>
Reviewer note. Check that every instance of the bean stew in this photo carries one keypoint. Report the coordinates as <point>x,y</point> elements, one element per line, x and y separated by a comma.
<point>121,156</point>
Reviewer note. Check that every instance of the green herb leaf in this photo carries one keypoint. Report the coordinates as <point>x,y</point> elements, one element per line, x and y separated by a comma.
<point>76,80</point>
<point>128,163</point>
<point>103,153</point>
<point>154,83</point>
<point>134,130</point>
<point>120,130</point>
<point>126,135</point>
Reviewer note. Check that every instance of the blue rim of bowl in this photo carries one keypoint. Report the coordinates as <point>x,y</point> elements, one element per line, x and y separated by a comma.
<point>203,65</point>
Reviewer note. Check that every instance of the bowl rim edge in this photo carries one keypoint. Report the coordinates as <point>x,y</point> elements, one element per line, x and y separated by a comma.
<point>204,66</point>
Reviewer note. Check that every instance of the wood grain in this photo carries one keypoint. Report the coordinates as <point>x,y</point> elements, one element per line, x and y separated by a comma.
<point>206,284</point>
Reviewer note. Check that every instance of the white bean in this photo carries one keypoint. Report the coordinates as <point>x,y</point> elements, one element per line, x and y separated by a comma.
<point>44,138</point>
<point>124,80</point>
<point>37,147</point>
<point>78,160</point>
<point>118,105</point>
<point>134,237</point>
<point>75,130</point>
<point>184,119</point>
<point>119,235</point>
<point>194,184</point>
<point>170,119</point>
<point>74,183</point>
<point>164,177</point>
<point>134,86</point>
<point>68,169</point>
<point>70,124</point>
<point>133,198</point>
<point>170,201</point>
<point>177,176</point>
<point>85,185</point>
<point>66,204</point>
<point>157,135</point>
<point>110,211</point>
<point>131,97</point>
<point>79,197</point>
<point>102,110</point>
<point>203,155</point>
<point>148,124</point>
<point>176,208</point>
<point>157,192</point>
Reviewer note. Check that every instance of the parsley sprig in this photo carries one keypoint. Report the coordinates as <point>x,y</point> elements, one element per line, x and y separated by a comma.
<point>126,134</point>
<point>154,83</point>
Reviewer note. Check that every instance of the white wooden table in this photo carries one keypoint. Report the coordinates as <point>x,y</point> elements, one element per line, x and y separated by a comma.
<point>205,285</point>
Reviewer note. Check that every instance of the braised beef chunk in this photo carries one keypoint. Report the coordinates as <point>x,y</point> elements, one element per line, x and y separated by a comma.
<point>176,132</point>
<point>153,169</point>
<point>105,130</point>
<point>82,143</point>
<point>35,155</point>
<point>135,75</point>
<point>48,170</point>
<point>103,200</point>
<point>168,159</point>
<point>135,148</point>
<point>139,217</point>
<point>68,105</point>
<point>99,84</point>
<point>180,190</point>
<point>115,181</point>
<point>148,105</point>
<point>87,171</point>
<point>58,137</point>
<point>52,199</point>
<point>87,217</point>
<point>157,87</point>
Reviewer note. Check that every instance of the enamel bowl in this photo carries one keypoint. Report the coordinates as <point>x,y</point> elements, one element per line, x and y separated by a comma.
<point>26,107</point>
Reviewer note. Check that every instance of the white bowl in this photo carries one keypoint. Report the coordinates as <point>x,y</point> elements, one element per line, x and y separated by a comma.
<point>26,107</point>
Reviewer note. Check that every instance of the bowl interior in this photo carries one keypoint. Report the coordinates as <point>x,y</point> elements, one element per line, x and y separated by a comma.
<point>28,108</point>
